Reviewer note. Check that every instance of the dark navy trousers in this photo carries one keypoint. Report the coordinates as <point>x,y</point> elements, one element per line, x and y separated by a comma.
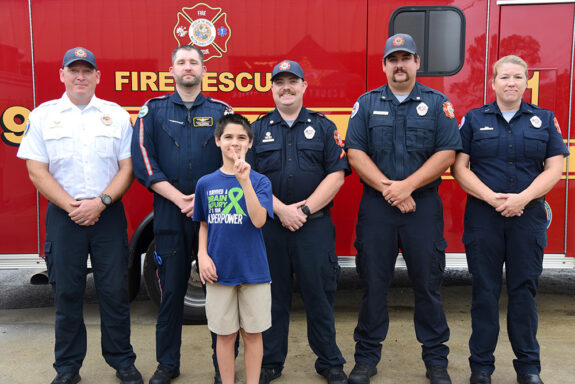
<point>492,241</point>
<point>66,249</point>
<point>176,240</point>
<point>381,231</point>
<point>309,253</point>
<point>176,243</point>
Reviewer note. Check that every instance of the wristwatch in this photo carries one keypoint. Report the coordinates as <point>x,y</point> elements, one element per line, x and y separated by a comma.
<point>305,210</point>
<point>106,199</point>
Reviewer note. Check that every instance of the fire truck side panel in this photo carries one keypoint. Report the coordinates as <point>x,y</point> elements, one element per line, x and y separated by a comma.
<point>524,30</point>
<point>339,44</point>
<point>18,219</point>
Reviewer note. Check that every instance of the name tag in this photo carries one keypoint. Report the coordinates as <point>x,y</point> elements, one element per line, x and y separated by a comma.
<point>385,113</point>
<point>203,122</point>
<point>486,129</point>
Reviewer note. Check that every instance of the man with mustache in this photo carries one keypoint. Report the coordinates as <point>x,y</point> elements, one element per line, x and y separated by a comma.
<point>400,139</point>
<point>299,151</point>
<point>172,147</point>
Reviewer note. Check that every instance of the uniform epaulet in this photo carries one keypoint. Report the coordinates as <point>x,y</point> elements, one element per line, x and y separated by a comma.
<point>262,115</point>
<point>144,109</point>
<point>425,88</point>
<point>108,103</point>
<point>47,103</point>
<point>534,106</point>
<point>229,108</point>
<point>375,90</point>
<point>320,114</point>
<point>157,98</point>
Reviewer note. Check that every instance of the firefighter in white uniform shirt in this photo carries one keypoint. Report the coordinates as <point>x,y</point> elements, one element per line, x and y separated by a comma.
<point>77,151</point>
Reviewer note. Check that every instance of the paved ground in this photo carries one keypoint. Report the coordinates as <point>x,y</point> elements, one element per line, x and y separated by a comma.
<point>26,335</point>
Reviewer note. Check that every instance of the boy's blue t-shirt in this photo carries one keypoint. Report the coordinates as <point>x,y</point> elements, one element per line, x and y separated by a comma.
<point>236,247</point>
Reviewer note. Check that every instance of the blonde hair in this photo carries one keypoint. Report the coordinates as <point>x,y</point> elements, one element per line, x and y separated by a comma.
<point>511,59</point>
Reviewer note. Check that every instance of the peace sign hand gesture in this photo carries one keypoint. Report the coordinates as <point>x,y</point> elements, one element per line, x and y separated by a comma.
<point>241,167</point>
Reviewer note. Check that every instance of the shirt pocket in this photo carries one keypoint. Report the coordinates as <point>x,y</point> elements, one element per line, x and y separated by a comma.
<point>381,131</point>
<point>310,156</point>
<point>105,139</point>
<point>419,134</point>
<point>59,142</point>
<point>535,143</point>
<point>485,144</point>
<point>268,157</point>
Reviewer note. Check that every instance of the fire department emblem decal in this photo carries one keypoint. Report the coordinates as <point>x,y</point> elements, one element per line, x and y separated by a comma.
<point>448,110</point>
<point>398,41</point>
<point>79,52</point>
<point>205,27</point>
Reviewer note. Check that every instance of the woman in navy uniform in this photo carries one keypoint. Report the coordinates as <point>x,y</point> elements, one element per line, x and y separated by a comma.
<point>516,153</point>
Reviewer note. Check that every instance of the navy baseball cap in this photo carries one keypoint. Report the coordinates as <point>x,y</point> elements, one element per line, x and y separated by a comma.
<point>289,67</point>
<point>79,54</point>
<point>400,42</point>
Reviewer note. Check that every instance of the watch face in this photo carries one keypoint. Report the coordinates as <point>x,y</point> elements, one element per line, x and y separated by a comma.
<point>305,209</point>
<point>106,199</point>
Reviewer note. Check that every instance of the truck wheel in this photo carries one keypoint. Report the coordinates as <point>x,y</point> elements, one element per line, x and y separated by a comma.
<point>194,302</point>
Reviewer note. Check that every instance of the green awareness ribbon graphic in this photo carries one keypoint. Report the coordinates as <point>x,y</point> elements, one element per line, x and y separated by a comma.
<point>235,195</point>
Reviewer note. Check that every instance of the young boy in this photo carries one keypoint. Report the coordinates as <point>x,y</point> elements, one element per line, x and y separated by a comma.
<point>232,205</point>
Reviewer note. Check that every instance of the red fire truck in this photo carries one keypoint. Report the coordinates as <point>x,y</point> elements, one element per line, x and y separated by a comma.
<point>339,44</point>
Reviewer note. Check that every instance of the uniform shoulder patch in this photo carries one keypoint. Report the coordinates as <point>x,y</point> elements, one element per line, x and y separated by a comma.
<point>143,111</point>
<point>337,138</point>
<point>448,109</point>
<point>557,125</point>
<point>27,127</point>
<point>355,109</point>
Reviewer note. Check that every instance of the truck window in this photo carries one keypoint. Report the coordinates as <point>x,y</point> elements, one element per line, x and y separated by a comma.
<point>439,33</point>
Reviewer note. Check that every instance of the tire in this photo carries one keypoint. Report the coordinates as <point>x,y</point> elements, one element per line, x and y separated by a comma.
<point>194,302</point>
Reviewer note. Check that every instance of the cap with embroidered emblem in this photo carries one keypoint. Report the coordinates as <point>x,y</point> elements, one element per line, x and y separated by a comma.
<point>288,66</point>
<point>79,54</point>
<point>400,42</point>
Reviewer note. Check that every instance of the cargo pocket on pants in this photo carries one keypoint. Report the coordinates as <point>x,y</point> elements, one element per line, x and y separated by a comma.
<point>49,258</point>
<point>331,272</point>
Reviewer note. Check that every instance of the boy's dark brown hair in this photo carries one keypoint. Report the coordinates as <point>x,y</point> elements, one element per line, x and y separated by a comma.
<point>233,118</point>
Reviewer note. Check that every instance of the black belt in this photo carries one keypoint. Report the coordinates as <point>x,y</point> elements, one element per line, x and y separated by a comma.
<point>318,214</point>
<point>535,202</point>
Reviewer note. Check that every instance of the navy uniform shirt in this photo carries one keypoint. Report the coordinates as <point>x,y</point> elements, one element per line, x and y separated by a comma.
<point>296,159</point>
<point>400,137</point>
<point>507,157</point>
<point>173,144</point>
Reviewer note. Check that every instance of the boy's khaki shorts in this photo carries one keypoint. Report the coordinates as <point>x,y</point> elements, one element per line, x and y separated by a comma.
<point>231,307</point>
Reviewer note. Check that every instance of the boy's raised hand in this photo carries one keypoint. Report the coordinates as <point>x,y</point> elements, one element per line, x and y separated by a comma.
<point>241,167</point>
